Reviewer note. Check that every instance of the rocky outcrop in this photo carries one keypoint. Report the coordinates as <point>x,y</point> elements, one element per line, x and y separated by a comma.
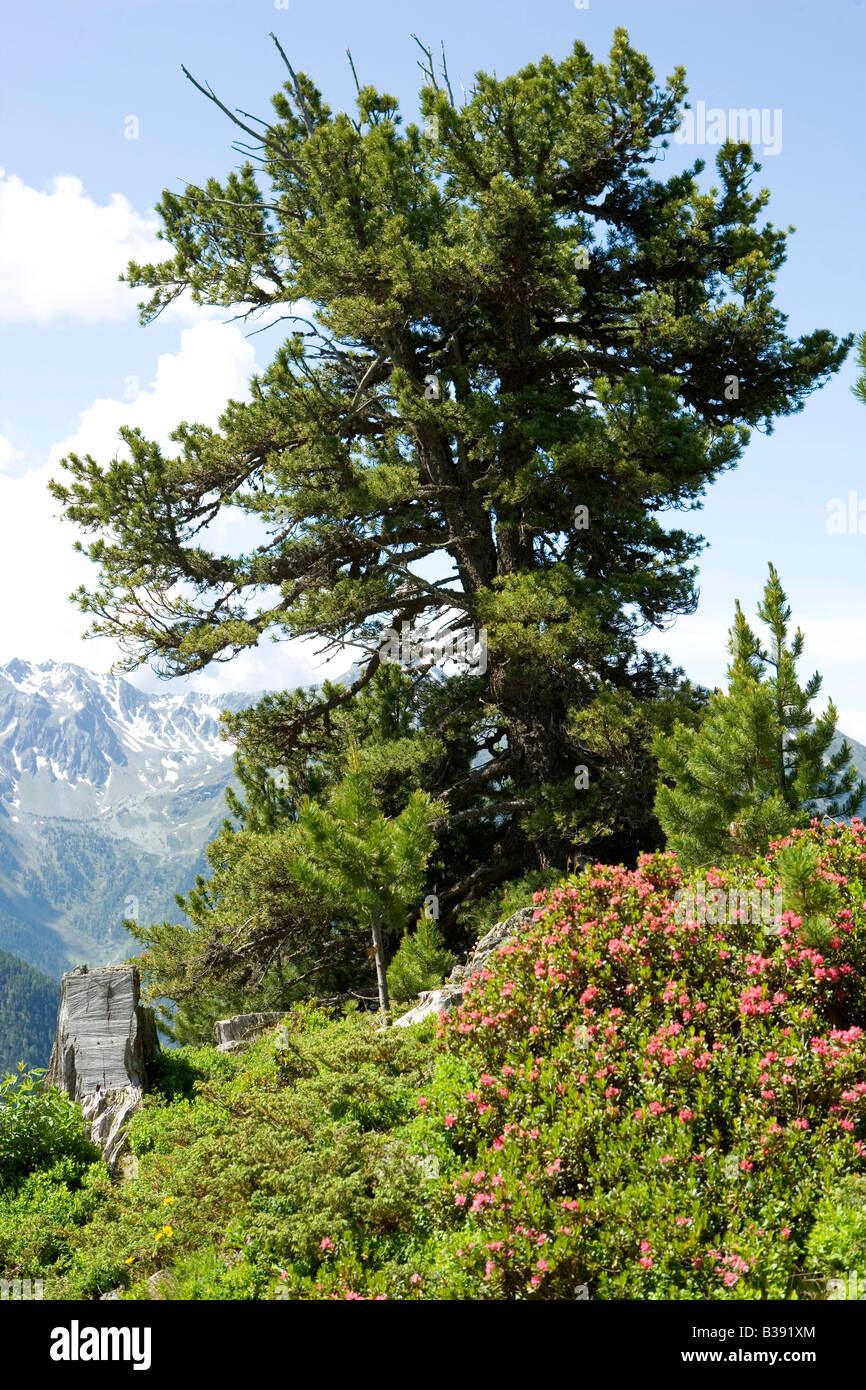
<point>235,1034</point>
<point>104,1051</point>
<point>450,996</point>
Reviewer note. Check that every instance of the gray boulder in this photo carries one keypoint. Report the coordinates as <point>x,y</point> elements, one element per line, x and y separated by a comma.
<point>104,1051</point>
<point>235,1034</point>
<point>450,996</point>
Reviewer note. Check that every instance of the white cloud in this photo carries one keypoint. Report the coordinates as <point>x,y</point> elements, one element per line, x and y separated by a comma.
<point>214,364</point>
<point>852,723</point>
<point>38,567</point>
<point>61,253</point>
<point>8,453</point>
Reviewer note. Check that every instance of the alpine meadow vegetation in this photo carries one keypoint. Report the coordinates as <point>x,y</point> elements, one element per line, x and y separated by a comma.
<point>515,348</point>
<point>631,1102</point>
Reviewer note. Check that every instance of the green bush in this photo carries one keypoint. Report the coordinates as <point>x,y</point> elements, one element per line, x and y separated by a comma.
<point>836,1248</point>
<point>477,918</point>
<point>37,1128</point>
<point>257,1159</point>
<point>635,1104</point>
<point>645,1095</point>
<point>421,962</point>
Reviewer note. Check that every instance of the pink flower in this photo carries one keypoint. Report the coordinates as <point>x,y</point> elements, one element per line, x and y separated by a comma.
<point>542,1265</point>
<point>326,1244</point>
<point>449,1121</point>
<point>415,1279</point>
<point>686,1116</point>
<point>646,1262</point>
<point>785,1232</point>
<point>645,1247</point>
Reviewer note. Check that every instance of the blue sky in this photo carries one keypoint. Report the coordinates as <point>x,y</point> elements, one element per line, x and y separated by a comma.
<point>76,198</point>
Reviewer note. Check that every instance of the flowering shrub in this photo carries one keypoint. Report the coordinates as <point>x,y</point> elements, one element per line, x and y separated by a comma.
<point>632,1106</point>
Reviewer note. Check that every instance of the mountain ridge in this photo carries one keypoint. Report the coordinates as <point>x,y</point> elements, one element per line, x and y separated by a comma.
<point>109,796</point>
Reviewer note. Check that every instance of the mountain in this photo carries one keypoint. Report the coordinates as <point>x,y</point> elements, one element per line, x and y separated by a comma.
<point>28,1014</point>
<point>108,798</point>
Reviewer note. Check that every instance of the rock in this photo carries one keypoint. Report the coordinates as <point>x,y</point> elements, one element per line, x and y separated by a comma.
<point>159,1283</point>
<point>450,996</point>
<point>104,1051</point>
<point>432,1001</point>
<point>235,1034</point>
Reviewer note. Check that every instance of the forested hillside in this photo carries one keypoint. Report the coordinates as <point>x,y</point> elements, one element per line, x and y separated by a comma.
<point>28,1013</point>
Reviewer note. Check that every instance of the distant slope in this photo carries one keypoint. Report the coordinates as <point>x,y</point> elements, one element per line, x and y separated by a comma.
<point>858,758</point>
<point>28,1014</point>
<point>108,797</point>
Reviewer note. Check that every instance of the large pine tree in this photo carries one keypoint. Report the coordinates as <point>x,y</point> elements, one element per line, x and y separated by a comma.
<point>522,349</point>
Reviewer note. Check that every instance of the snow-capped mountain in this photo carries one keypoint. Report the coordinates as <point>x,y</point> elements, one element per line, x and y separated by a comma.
<point>108,797</point>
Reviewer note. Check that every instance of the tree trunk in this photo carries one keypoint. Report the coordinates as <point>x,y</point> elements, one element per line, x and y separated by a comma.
<point>381,977</point>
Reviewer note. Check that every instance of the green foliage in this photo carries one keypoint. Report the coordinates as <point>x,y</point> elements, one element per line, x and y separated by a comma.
<point>836,1248</point>
<point>860,386</point>
<point>39,1213</point>
<point>759,760</point>
<point>38,1128</point>
<point>477,918</point>
<point>287,908</point>
<point>806,890</point>
<point>631,1102</point>
<point>28,1008</point>
<point>421,962</point>
<point>648,1107</point>
<point>251,1161</point>
<point>577,315</point>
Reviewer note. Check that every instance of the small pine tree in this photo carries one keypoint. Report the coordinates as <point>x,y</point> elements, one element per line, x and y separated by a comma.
<point>373,865</point>
<point>758,762</point>
<point>421,962</point>
<point>805,892</point>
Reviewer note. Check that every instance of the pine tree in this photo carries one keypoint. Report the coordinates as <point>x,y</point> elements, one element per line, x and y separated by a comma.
<point>288,908</point>
<point>349,853</point>
<point>421,962</point>
<point>523,350</point>
<point>860,385</point>
<point>759,762</point>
